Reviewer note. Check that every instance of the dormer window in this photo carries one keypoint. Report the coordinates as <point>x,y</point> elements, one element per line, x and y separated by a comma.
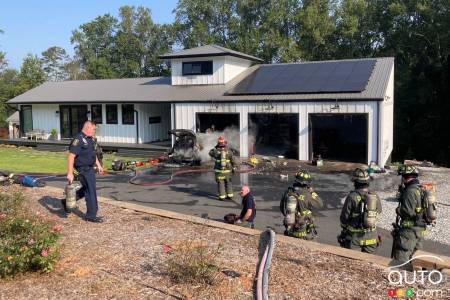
<point>197,68</point>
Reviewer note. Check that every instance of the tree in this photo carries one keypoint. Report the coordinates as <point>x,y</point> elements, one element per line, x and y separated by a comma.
<point>54,60</point>
<point>74,70</point>
<point>31,73</point>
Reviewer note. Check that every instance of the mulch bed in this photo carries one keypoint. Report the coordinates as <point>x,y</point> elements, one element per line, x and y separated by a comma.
<point>126,258</point>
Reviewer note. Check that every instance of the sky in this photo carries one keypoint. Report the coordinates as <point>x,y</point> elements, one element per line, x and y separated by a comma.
<point>32,26</point>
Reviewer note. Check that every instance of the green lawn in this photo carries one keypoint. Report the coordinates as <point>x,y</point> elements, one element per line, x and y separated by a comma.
<point>25,159</point>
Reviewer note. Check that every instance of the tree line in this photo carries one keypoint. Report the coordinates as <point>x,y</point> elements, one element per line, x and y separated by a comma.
<point>415,32</point>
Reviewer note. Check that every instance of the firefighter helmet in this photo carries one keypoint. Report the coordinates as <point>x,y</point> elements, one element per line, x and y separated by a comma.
<point>303,176</point>
<point>221,141</point>
<point>360,176</point>
<point>408,170</point>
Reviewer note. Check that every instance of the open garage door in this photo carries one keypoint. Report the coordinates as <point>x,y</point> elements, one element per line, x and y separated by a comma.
<point>341,137</point>
<point>205,121</point>
<point>273,134</point>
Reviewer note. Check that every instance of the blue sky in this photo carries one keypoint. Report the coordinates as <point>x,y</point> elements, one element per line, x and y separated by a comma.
<point>32,26</point>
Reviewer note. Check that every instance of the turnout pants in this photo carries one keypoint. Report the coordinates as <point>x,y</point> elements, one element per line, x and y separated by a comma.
<point>366,241</point>
<point>224,186</point>
<point>88,191</point>
<point>408,241</point>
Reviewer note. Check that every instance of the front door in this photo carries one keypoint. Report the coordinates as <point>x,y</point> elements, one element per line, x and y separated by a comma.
<point>72,119</point>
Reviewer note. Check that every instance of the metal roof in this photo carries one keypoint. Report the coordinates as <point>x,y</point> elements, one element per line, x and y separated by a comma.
<point>159,89</point>
<point>208,50</point>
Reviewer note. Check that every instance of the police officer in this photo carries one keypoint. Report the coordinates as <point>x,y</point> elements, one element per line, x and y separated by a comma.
<point>296,204</point>
<point>224,166</point>
<point>411,225</point>
<point>355,234</point>
<point>82,157</point>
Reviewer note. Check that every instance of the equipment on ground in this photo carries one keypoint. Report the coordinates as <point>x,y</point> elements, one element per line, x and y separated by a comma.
<point>70,191</point>
<point>30,181</point>
<point>230,218</point>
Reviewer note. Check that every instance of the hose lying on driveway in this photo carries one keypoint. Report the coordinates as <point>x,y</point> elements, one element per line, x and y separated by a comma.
<point>180,172</point>
<point>262,285</point>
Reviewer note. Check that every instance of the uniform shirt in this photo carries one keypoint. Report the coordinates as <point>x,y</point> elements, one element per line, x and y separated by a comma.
<point>248,203</point>
<point>410,199</point>
<point>83,147</point>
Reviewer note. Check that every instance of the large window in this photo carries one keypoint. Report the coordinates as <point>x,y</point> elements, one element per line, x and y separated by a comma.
<point>128,114</point>
<point>111,113</point>
<point>26,118</point>
<point>198,68</point>
<point>96,113</point>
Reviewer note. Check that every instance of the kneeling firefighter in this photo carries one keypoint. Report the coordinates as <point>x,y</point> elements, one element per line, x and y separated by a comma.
<point>296,204</point>
<point>224,166</point>
<point>359,216</point>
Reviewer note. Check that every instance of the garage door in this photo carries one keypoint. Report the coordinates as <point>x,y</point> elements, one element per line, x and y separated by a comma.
<point>341,137</point>
<point>273,134</point>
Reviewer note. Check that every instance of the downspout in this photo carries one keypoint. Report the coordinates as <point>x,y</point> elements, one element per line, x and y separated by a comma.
<point>137,126</point>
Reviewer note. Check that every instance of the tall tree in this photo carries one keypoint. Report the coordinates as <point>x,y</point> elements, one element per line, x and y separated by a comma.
<point>31,73</point>
<point>54,60</point>
<point>95,46</point>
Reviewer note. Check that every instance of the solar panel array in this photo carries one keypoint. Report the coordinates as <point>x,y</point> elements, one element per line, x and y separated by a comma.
<point>307,78</point>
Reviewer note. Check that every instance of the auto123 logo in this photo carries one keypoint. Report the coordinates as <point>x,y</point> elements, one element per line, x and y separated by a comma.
<point>399,277</point>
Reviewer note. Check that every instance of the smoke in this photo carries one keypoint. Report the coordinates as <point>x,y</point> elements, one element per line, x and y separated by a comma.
<point>207,141</point>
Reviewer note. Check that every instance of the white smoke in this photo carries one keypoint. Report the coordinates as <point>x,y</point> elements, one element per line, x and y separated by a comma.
<point>207,141</point>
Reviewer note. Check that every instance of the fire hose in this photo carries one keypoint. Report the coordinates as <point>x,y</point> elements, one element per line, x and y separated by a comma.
<point>262,284</point>
<point>180,172</point>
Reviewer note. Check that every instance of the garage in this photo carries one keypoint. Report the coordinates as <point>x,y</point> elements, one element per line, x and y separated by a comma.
<point>273,134</point>
<point>341,137</point>
<point>205,121</point>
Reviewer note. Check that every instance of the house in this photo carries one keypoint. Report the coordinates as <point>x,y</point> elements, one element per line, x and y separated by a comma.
<point>13,125</point>
<point>342,110</point>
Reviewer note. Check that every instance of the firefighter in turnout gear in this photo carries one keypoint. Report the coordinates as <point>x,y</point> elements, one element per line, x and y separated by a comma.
<point>296,204</point>
<point>410,226</point>
<point>359,215</point>
<point>224,167</point>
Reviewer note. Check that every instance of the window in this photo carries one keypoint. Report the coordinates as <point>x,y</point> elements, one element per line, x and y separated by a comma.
<point>96,114</point>
<point>198,68</point>
<point>128,114</point>
<point>111,113</point>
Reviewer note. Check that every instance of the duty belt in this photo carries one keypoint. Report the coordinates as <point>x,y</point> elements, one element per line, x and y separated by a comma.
<point>84,168</point>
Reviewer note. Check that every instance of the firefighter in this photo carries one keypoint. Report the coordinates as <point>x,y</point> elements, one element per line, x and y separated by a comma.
<point>224,168</point>
<point>296,204</point>
<point>411,223</point>
<point>359,214</point>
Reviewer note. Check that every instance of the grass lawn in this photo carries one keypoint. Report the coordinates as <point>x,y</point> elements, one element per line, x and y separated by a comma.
<point>25,159</point>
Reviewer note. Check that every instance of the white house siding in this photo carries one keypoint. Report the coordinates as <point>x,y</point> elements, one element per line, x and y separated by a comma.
<point>45,117</point>
<point>115,133</point>
<point>185,118</point>
<point>235,66</point>
<point>157,131</point>
<point>216,78</point>
<point>387,122</point>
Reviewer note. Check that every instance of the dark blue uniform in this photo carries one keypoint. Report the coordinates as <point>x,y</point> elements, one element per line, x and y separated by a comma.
<point>85,155</point>
<point>248,203</point>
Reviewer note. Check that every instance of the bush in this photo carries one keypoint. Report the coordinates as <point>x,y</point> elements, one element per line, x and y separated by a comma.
<point>193,264</point>
<point>27,242</point>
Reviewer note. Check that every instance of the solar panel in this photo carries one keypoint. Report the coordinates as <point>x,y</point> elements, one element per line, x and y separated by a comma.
<point>307,78</point>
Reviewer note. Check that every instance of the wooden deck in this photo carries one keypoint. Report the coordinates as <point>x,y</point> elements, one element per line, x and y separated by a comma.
<point>156,148</point>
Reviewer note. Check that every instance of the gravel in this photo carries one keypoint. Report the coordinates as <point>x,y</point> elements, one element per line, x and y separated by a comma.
<point>440,177</point>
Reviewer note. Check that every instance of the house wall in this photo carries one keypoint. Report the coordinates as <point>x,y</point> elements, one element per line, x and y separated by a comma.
<point>235,66</point>
<point>225,68</point>
<point>46,118</point>
<point>386,123</point>
<point>185,119</point>
<point>156,131</point>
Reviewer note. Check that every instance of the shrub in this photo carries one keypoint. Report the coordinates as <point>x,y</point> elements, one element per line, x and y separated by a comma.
<point>193,264</point>
<point>27,242</point>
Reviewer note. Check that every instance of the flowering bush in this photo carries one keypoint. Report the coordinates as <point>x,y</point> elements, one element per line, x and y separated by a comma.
<point>27,242</point>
